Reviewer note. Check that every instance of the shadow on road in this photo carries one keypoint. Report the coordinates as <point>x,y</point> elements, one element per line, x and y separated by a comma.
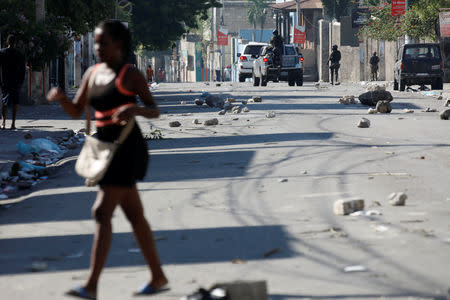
<point>186,246</point>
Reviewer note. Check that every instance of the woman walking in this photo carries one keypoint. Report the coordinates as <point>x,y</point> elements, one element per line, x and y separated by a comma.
<point>110,87</point>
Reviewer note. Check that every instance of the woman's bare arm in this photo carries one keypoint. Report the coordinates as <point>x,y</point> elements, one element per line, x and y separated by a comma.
<point>75,107</point>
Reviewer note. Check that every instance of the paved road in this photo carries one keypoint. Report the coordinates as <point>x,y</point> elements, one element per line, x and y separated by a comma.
<point>214,194</point>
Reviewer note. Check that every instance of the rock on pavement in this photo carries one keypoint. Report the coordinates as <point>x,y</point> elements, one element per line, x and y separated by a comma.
<point>211,122</point>
<point>397,199</point>
<point>174,124</point>
<point>364,123</point>
<point>383,107</point>
<point>371,98</point>
<point>445,115</point>
<point>347,206</point>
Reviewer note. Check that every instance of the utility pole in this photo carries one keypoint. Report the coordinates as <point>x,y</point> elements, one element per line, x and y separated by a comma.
<point>407,37</point>
<point>299,21</point>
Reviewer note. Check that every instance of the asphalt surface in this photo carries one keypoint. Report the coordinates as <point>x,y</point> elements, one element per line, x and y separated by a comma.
<point>221,197</point>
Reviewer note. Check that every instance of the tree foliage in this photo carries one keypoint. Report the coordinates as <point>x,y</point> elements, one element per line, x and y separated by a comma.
<point>44,41</point>
<point>420,21</point>
<point>156,24</point>
<point>256,13</point>
<point>336,8</point>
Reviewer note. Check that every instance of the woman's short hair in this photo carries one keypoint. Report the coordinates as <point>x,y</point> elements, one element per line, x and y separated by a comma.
<point>11,40</point>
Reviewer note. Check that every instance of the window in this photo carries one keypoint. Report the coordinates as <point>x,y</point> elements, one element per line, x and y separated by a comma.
<point>422,52</point>
<point>252,49</point>
<point>289,50</point>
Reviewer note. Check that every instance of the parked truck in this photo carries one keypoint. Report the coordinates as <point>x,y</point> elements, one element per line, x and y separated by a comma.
<point>291,69</point>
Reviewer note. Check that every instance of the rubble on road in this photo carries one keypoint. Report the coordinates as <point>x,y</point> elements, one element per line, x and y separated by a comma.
<point>447,103</point>
<point>183,102</point>
<point>245,109</point>
<point>196,121</point>
<point>408,111</point>
<point>222,112</point>
<point>256,99</point>
<point>211,122</point>
<point>358,268</point>
<point>397,199</point>
<point>364,123</point>
<point>227,106</point>
<point>372,87</point>
<point>214,101</point>
<point>270,114</point>
<point>429,109</point>
<point>174,124</point>
<point>199,102</point>
<point>230,100</point>
<point>383,107</point>
<point>347,100</point>
<point>371,98</point>
<point>372,111</point>
<point>244,102</point>
<point>445,115</point>
<point>347,206</point>
<point>236,109</point>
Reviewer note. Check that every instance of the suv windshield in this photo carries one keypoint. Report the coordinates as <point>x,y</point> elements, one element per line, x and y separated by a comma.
<point>422,52</point>
<point>252,49</point>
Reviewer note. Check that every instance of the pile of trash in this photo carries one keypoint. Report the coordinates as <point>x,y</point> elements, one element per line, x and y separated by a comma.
<point>35,159</point>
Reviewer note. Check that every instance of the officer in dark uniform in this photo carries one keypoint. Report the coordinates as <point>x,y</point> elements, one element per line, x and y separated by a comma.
<point>277,44</point>
<point>333,62</point>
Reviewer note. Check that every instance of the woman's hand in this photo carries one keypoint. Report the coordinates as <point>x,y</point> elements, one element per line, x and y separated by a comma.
<point>55,94</point>
<point>123,114</point>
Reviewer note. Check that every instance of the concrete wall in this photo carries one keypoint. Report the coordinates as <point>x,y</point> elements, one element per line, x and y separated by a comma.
<point>323,52</point>
<point>355,64</point>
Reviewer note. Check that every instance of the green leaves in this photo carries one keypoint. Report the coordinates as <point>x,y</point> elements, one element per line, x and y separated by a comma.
<point>156,24</point>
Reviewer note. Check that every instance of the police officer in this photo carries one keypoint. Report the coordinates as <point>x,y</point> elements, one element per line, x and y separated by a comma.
<point>374,60</point>
<point>277,44</point>
<point>333,62</point>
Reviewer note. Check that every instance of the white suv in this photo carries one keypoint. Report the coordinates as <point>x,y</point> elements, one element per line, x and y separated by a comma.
<point>245,63</point>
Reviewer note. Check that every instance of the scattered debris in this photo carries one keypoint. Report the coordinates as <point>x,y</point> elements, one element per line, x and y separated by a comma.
<point>222,112</point>
<point>218,84</point>
<point>383,107</point>
<point>371,98</point>
<point>38,266</point>
<point>447,103</point>
<point>245,109</point>
<point>445,115</point>
<point>230,100</point>
<point>235,119</point>
<point>183,102</point>
<point>211,122</point>
<point>305,172</point>
<point>368,213</point>
<point>408,111</point>
<point>380,228</point>
<point>430,110</point>
<point>348,206</point>
<point>364,123</point>
<point>351,269</point>
<point>238,261</point>
<point>256,99</point>
<point>196,121</point>
<point>347,100</point>
<point>199,102</point>
<point>422,157</point>
<point>27,136</point>
<point>375,87</point>
<point>283,180</point>
<point>244,102</point>
<point>272,252</point>
<point>397,199</point>
<point>270,114</point>
<point>214,101</point>
<point>174,124</point>
<point>371,111</point>
<point>236,109</point>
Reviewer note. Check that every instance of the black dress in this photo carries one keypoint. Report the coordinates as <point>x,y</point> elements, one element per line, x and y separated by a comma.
<point>130,161</point>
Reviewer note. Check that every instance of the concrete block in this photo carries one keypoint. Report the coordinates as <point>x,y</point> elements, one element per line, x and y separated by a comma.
<point>245,290</point>
<point>348,206</point>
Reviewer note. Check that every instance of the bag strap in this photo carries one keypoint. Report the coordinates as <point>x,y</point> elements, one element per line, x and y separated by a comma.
<point>125,131</point>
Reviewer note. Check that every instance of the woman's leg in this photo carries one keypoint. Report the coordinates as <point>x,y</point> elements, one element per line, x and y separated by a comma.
<point>107,199</point>
<point>132,207</point>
